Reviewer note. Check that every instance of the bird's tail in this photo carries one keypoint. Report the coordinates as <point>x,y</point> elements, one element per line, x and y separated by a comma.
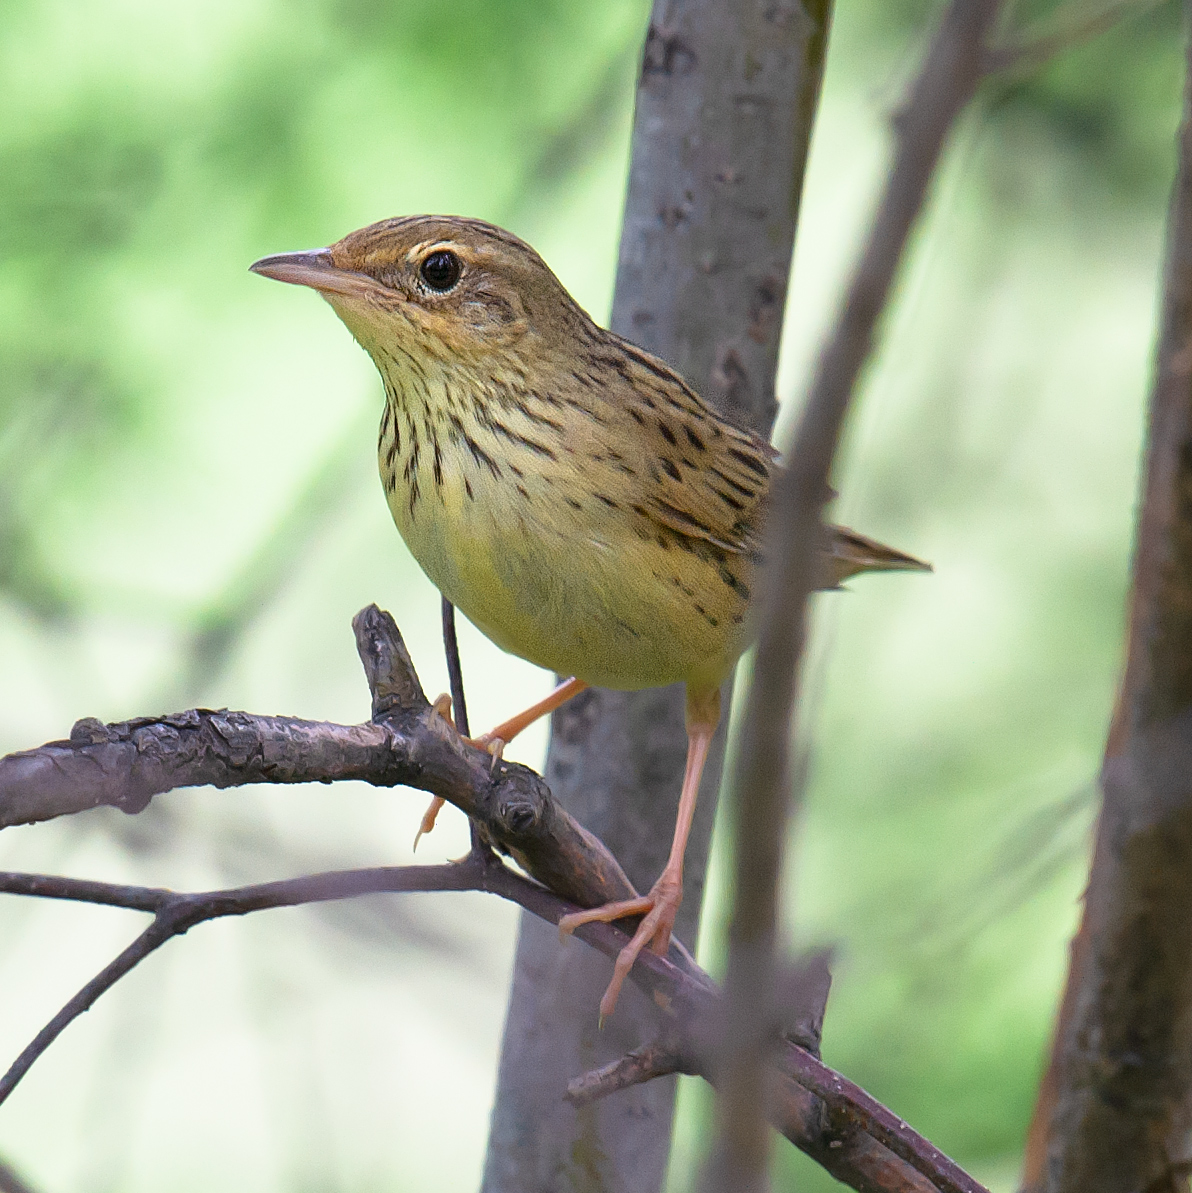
<point>850,553</point>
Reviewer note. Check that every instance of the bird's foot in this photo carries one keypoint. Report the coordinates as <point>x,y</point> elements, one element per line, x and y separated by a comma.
<point>441,705</point>
<point>659,909</point>
<point>489,742</point>
<point>492,745</point>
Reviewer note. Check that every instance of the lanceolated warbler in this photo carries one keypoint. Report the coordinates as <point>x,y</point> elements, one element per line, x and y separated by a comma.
<point>569,492</point>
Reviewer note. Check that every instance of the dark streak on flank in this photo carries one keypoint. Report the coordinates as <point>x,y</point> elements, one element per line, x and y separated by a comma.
<point>637,417</point>
<point>684,517</point>
<point>575,505</point>
<point>541,419</point>
<point>468,489</point>
<point>669,468</point>
<point>522,490</point>
<point>741,589</point>
<point>750,462</point>
<point>524,441</point>
<point>694,439</point>
<point>667,433</point>
<point>410,472</point>
<point>482,457</point>
<point>744,490</point>
<point>612,505</point>
<point>438,469</point>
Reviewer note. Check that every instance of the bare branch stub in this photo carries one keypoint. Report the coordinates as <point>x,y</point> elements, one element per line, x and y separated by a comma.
<point>659,1058</point>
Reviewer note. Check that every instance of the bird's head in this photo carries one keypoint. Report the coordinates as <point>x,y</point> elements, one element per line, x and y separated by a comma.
<point>456,290</point>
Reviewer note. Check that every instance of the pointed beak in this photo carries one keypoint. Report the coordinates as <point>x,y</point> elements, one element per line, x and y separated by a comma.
<point>313,268</point>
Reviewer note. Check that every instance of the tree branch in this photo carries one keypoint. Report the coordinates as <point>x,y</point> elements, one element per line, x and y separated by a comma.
<point>10,1182</point>
<point>820,1111</point>
<point>1122,1070</point>
<point>406,743</point>
<point>763,786</point>
<point>858,1141</point>
<point>1036,47</point>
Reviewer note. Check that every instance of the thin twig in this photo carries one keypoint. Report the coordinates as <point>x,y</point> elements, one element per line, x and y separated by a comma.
<point>408,742</point>
<point>659,1058</point>
<point>1064,31</point>
<point>762,784</point>
<point>10,1182</point>
<point>842,1136</point>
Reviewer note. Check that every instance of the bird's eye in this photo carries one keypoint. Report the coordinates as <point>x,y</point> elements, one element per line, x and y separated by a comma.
<point>441,270</point>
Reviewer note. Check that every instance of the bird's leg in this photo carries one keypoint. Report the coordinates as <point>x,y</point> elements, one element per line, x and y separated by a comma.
<point>495,740</point>
<point>661,905</point>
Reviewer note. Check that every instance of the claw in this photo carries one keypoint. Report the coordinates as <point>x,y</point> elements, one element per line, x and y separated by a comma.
<point>428,819</point>
<point>442,705</point>
<point>492,745</point>
<point>659,909</point>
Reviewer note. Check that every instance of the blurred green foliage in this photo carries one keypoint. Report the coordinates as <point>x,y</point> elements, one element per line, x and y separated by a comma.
<point>189,511</point>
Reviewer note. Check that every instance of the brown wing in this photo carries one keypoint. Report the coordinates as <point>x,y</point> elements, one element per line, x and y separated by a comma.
<point>697,474</point>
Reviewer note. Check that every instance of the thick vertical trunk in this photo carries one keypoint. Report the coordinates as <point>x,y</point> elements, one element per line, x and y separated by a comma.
<point>1114,1117</point>
<point>725,104</point>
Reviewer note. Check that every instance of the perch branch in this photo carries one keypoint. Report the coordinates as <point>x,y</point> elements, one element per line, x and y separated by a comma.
<point>407,742</point>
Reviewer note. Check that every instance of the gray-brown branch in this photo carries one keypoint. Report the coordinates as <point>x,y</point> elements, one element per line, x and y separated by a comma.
<point>855,1138</point>
<point>407,743</point>
<point>1122,1074</point>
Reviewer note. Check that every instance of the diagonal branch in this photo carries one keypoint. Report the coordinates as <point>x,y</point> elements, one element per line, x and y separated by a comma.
<point>406,743</point>
<point>858,1140</point>
<point>1115,1108</point>
<point>124,765</point>
<point>1035,47</point>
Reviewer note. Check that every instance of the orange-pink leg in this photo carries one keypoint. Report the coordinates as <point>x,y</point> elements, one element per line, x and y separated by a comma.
<point>661,905</point>
<point>495,740</point>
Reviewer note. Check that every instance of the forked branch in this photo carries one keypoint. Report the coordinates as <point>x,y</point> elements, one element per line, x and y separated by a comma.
<point>406,742</point>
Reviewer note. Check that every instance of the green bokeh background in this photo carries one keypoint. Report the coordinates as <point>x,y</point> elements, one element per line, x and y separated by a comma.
<point>189,513</point>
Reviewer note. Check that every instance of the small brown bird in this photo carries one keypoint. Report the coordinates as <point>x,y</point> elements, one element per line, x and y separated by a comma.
<point>569,492</point>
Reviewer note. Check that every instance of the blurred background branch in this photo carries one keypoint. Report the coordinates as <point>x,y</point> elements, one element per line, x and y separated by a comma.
<point>765,785</point>
<point>1115,1110</point>
<point>726,101</point>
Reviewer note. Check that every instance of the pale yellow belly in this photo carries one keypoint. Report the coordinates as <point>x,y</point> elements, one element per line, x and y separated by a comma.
<point>580,596</point>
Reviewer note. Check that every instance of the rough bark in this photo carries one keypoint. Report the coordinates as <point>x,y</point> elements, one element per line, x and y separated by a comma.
<point>1123,1077</point>
<point>725,105</point>
<point>853,1136</point>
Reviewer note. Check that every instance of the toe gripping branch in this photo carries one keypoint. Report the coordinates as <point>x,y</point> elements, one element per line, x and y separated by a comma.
<point>406,742</point>
<point>511,805</point>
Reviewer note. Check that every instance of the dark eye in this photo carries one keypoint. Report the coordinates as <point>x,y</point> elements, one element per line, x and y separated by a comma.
<point>441,270</point>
